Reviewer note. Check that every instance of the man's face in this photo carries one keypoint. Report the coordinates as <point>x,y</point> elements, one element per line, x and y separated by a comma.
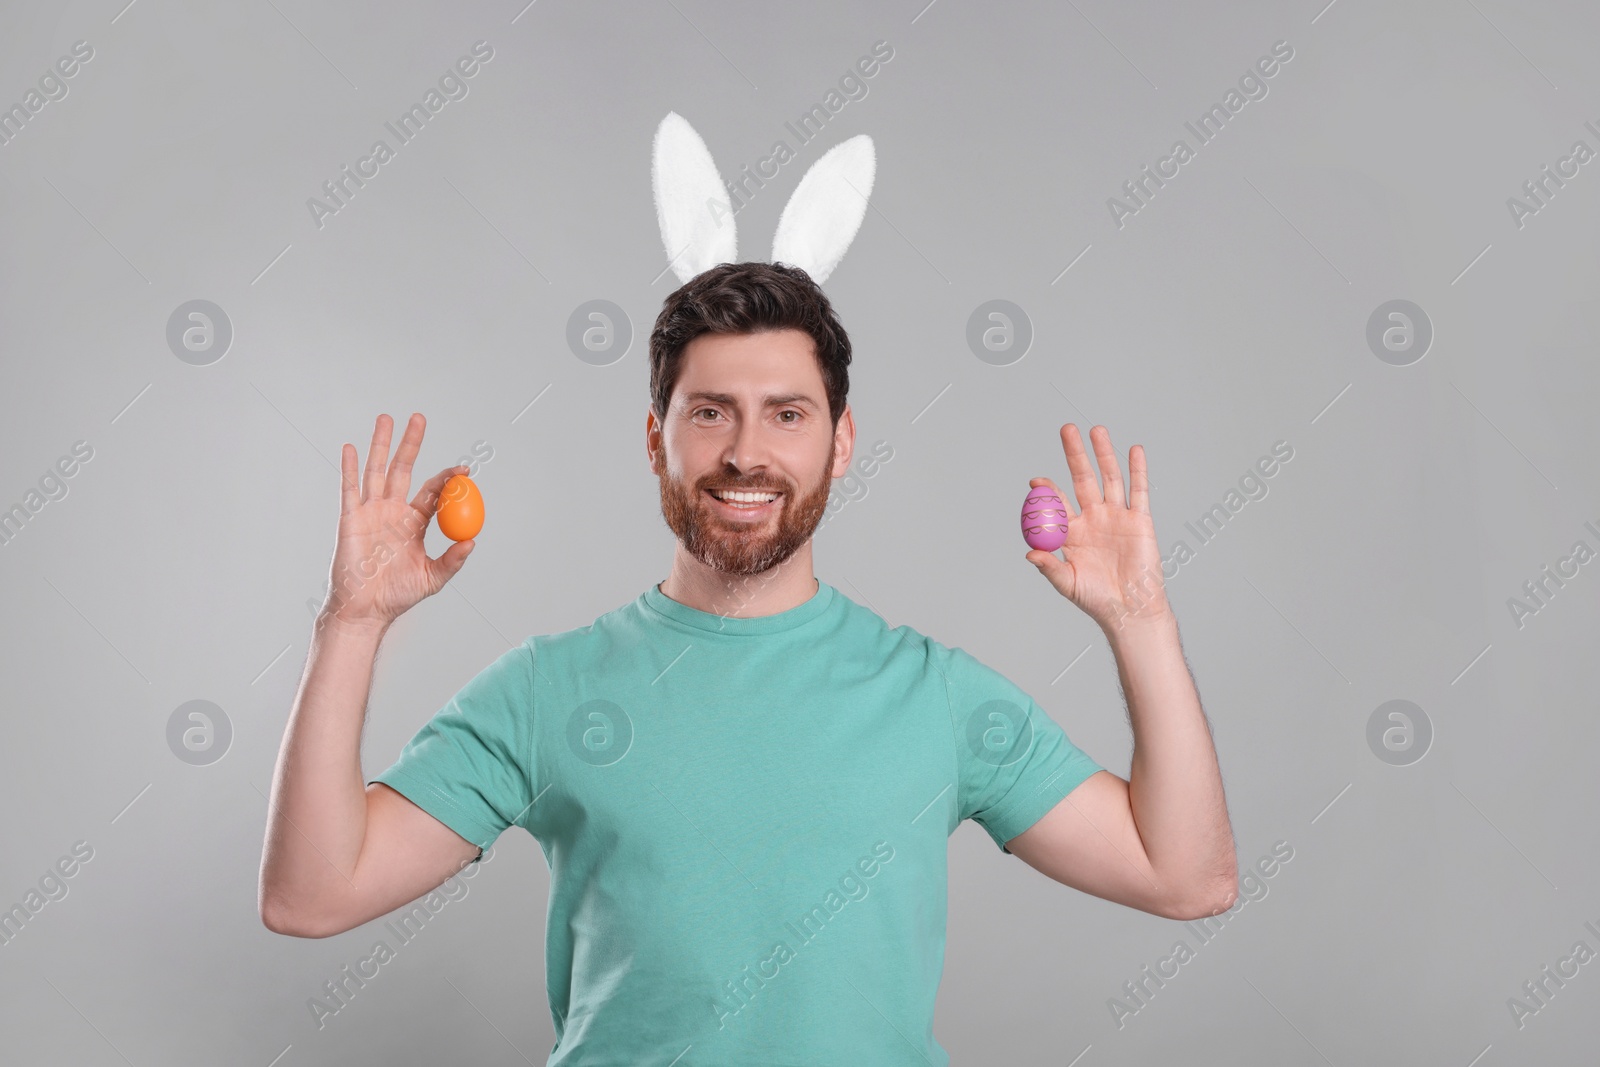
<point>749,412</point>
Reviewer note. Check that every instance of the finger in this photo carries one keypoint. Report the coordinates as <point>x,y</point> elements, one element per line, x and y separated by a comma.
<point>427,499</point>
<point>1084,485</point>
<point>377,458</point>
<point>444,568</point>
<point>1110,466</point>
<point>1139,480</point>
<point>1058,572</point>
<point>1065,500</point>
<point>397,483</point>
<point>349,484</point>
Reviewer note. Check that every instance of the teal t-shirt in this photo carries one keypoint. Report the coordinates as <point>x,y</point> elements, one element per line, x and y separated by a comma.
<point>746,822</point>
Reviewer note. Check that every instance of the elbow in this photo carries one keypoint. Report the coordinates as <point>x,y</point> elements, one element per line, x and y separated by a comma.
<point>272,908</point>
<point>1207,899</point>
<point>279,923</point>
<point>278,918</point>
<point>275,920</point>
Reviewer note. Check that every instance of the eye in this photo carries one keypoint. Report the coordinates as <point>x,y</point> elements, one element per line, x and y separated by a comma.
<point>702,411</point>
<point>790,411</point>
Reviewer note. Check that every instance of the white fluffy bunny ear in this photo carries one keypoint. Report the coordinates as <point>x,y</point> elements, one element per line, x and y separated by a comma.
<point>691,203</point>
<point>822,217</point>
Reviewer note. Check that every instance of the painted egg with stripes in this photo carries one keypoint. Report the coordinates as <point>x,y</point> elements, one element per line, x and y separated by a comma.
<point>1044,519</point>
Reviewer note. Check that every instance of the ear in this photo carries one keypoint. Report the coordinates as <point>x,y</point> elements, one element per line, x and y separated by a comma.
<point>822,217</point>
<point>691,203</point>
<point>650,438</point>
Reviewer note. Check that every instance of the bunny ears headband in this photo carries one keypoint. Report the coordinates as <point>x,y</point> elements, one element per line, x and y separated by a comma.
<point>697,228</point>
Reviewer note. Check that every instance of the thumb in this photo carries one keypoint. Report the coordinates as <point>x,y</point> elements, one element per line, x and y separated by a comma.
<point>450,561</point>
<point>1052,567</point>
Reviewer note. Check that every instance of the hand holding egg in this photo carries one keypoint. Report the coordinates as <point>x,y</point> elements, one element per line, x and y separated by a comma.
<point>380,569</point>
<point>1112,568</point>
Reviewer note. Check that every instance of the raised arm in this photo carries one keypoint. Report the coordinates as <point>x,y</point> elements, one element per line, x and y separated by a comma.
<point>1160,840</point>
<point>338,854</point>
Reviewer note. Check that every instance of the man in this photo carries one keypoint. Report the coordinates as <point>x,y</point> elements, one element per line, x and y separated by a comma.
<point>743,781</point>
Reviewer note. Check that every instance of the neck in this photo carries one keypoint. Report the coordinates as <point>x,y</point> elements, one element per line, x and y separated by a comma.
<point>787,585</point>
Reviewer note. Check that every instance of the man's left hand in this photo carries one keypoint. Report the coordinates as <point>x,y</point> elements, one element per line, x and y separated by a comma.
<point>1112,568</point>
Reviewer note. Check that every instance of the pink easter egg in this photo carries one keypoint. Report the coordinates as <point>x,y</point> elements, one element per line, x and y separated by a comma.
<point>1044,519</point>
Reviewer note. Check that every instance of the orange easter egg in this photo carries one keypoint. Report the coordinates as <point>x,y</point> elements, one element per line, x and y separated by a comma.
<point>460,509</point>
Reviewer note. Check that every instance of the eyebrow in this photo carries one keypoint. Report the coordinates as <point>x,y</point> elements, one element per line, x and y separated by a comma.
<point>771,399</point>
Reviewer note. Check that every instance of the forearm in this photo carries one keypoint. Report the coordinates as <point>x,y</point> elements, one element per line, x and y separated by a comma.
<point>1174,784</point>
<point>316,820</point>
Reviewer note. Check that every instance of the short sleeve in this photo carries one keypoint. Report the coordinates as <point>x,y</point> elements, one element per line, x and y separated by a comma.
<point>1015,763</point>
<point>470,765</point>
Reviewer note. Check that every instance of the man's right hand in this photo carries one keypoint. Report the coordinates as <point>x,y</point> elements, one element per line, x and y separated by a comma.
<point>380,568</point>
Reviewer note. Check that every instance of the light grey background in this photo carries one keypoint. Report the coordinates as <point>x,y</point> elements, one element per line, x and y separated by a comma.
<point>1228,314</point>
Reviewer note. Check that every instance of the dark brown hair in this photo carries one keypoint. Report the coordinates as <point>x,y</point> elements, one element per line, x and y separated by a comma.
<point>748,298</point>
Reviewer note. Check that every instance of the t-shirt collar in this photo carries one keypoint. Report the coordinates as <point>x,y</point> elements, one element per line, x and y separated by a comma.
<point>655,600</point>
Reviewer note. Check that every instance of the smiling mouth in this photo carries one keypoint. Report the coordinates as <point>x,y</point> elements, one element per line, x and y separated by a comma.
<point>746,503</point>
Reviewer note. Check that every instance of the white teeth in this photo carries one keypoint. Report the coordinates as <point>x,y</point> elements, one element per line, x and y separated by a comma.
<point>745,498</point>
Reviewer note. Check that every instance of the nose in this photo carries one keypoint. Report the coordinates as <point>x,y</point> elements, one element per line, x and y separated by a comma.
<point>749,450</point>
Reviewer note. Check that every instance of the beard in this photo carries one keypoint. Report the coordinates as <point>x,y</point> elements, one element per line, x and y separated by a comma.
<point>744,549</point>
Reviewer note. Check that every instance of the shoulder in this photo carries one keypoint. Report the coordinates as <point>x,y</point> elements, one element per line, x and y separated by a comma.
<point>870,632</point>
<point>616,631</point>
<point>862,629</point>
<point>968,680</point>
